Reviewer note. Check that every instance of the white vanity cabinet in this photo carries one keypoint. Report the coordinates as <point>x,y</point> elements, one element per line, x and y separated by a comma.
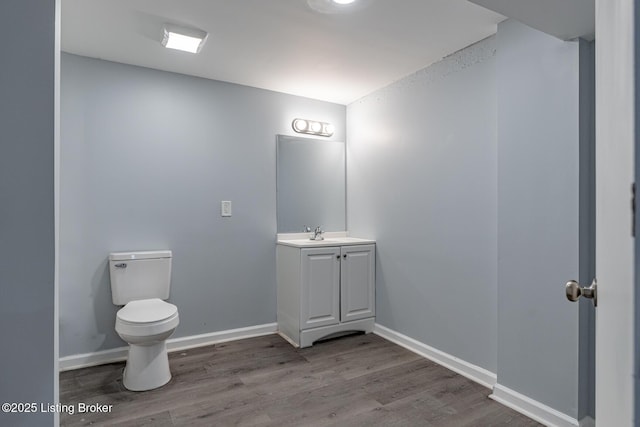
<point>325,289</point>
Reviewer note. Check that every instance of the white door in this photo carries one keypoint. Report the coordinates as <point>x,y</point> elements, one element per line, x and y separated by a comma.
<point>615,133</point>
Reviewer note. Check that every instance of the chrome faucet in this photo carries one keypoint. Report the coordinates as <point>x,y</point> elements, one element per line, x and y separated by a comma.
<point>317,234</point>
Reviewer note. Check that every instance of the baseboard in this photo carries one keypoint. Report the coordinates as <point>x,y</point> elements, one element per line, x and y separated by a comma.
<point>533,409</point>
<point>194,341</point>
<point>466,369</point>
<point>77,361</point>
<point>119,354</point>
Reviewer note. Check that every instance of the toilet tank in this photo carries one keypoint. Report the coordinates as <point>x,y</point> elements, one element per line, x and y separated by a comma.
<point>139,275</point>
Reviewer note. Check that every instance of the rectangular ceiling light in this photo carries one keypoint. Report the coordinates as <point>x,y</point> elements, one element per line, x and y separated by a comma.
<point>181,38</point>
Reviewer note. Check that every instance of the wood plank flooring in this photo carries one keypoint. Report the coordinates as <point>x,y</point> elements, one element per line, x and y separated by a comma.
<point>359,380</point>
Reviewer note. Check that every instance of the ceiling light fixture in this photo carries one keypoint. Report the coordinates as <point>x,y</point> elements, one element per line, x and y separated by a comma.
<point>332,7</point>
<point>181,38</point>
<point>312,127</point>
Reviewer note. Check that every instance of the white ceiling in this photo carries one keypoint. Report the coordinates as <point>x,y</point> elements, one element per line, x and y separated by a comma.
<point>337,55</point>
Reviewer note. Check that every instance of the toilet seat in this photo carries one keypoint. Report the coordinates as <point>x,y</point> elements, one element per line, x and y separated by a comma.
<point>146,318</point>
<point>146,311</point>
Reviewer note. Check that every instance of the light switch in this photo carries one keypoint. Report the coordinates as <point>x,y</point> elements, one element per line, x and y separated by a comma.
<point>225,208</point>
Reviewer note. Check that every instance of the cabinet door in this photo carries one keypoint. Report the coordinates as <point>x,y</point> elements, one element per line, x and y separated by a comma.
<point>320,287</point>
<point>358,282</point>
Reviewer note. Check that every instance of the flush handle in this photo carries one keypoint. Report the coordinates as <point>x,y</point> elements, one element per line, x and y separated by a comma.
<point>121,265</point>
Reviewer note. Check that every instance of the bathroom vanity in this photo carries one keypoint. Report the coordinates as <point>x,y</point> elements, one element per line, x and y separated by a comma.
<point>325,287</point>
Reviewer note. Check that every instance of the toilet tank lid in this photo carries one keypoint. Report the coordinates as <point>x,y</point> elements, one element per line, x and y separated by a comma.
<point>123,256</point>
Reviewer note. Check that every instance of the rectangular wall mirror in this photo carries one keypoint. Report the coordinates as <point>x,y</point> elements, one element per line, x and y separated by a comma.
<point>310,184</point>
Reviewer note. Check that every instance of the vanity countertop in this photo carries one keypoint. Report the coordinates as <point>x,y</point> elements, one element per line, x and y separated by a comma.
<point>328,241</point>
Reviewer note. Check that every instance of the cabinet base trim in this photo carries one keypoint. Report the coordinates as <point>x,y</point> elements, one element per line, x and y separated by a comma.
<point>309,336</point>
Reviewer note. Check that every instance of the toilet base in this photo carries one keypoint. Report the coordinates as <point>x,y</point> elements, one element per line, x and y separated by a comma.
<point>147,367</point>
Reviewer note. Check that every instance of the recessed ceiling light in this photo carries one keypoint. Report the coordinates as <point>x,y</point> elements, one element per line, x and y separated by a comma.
<point>338,6</point>
<point>185,39</point>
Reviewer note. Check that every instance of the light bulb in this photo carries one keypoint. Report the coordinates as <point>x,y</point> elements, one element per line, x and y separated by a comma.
<point>315,127</point>
<point>328,129</point>
<point>300,125</point>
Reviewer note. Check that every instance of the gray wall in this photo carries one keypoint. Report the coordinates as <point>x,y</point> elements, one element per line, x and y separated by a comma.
<point>146,158</point>
<point>472,174</point>
<point>27,248</point>
<point>538,215</point>
<point>421,174</point>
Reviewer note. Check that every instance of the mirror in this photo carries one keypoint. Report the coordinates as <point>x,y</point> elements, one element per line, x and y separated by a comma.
<point>310,184</point>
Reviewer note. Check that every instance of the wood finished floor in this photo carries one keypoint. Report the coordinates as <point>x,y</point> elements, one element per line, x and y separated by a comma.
<point>360,380</point>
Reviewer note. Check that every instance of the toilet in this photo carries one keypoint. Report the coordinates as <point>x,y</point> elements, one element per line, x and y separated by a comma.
<point>140,281</point>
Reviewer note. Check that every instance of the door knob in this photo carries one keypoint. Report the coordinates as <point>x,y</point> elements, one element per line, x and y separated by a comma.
<point>574,291</point>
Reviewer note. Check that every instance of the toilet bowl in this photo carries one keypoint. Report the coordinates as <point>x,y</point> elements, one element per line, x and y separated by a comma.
<point>140,281</point>
<point>145,325</point>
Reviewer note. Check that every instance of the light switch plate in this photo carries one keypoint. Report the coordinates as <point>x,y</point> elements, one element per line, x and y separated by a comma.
<point>225,208</point>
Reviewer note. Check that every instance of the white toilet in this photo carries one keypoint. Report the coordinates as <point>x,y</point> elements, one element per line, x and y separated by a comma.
<point>140,281</point>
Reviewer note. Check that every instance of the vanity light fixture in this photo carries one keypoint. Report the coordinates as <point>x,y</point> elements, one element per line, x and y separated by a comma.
<point>181,38</point>
<point>312,127</point>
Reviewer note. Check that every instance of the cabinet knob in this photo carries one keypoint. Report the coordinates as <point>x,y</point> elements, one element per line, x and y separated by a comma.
<point>337,256</point>
<point>344,256</point>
